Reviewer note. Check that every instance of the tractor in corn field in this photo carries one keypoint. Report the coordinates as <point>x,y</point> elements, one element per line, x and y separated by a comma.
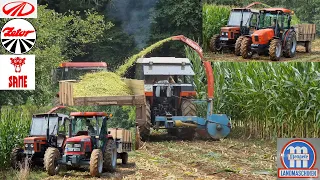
<point>170,95</point>
<point>89,143</point>
<point>47,130</point>
<point>275,36</point>
<point>242,21</point>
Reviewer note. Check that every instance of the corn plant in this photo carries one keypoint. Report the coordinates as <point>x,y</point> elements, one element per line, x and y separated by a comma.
<point>269,100</point>
<point>213,18</point>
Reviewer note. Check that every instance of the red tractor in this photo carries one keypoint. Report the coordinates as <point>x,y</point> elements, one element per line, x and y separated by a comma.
<point>47,130</point>
<point>89,144</point>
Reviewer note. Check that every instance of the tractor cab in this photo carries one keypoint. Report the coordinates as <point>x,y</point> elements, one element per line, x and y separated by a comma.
<point>87,131</point>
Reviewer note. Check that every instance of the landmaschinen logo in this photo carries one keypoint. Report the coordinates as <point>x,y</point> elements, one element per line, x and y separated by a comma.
<point>18,9</point>
<point>18,36</point>
<point>17,72</point>
<point>298,158</point>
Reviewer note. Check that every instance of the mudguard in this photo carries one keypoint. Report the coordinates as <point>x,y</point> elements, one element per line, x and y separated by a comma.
<point>218,126</point>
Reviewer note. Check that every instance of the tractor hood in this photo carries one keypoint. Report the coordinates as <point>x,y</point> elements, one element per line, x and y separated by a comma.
<point>227,29</point>
<point>79,138</point>
<point>262,36</point>
<point>33,139</point>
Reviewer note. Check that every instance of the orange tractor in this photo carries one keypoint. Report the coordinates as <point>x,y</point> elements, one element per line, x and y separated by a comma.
<point>242,21</point>
<point>274,36</point>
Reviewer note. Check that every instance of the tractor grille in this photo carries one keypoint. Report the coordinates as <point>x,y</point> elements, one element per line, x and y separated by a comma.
<point>256,38</point>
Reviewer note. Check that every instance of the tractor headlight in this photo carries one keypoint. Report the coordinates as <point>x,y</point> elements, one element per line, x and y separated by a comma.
<point>26,145</point>
<point>148,88</point>
<point>31,145</point>
<point>77,145</point>
<point>226,34</point>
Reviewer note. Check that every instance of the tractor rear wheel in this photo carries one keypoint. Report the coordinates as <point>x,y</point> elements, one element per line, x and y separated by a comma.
<point>187,109</point>
<point>50,160</point>
<point>96,163</point>
<point>237,49</point>
<point>245,49</point>
<point>110,156</point>
<point>308,46</point>
<point>145,127</point>
<point>215,43</point>
<point>291,45</point>
<point>16,157</point>
<point>124,157</point>
<point>275,50</point>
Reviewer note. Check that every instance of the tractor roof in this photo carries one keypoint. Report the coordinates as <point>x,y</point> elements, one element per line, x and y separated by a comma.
<point>246,9</point>
<point>50,115</point>
<point>83,64</point>
<point>163,60</point>
<point>88,114</point>
<point>288,11</point>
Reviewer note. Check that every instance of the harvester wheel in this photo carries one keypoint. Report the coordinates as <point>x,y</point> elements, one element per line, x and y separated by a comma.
<point>291,45</point>
<point>50,160</point>
<point>275,50</point>
<point>237,49</point>
<point>124,158</point>
<point>110,156</point>
<point>16,157</point>
<point>187,109</point>
<point>96,163</point>
<point>308,46</point>
<point>145,127</point>
<point>215,44</point>
<point>245,49</point>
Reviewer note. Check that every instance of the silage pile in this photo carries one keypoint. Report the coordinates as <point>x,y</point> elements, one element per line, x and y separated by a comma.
<point>100,84</point>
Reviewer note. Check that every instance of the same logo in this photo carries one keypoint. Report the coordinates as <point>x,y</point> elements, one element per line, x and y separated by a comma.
<point>298,158</point>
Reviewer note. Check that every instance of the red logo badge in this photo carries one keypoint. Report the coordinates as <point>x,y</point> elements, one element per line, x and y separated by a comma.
<point>18,9</point>
<point>17,62</point>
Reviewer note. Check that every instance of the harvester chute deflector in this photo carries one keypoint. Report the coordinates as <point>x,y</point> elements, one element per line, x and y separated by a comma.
<point>217,125</point>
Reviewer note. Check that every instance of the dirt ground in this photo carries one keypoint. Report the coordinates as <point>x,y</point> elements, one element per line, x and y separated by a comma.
<point>200,159</point>
<point>301,55</point>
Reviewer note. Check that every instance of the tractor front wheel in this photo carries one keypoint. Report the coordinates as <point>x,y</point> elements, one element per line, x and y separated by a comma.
<point>16,157</point>
<point>215,43</point>
<point>124,158</point>
<point>245,49</point>
<point>187,109</point>
<point>110,156</point>
<point>291,45</point>
<point>96,163</point>
<point>51,157</point>
<point>237,49</point>
<point>275,50</point>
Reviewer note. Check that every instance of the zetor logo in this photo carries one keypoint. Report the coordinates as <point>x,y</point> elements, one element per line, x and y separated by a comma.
<point>18,9</point>
<point>17,63</point>
<point>18,36</point>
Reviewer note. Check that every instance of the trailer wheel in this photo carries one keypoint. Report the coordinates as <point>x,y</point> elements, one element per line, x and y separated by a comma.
<point>124,157</point>
<point>96,163</point>
<point>275,50</point>
<point>16,157</point>
<point>145,127</point>
<point>50,159</point>
<point>308,46</point>
<point>187,109</point>
<point>237,49</point>
<point>215,44</point>
<point>110,156</point>
<point>290,46</point>
<point>245,49</point>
